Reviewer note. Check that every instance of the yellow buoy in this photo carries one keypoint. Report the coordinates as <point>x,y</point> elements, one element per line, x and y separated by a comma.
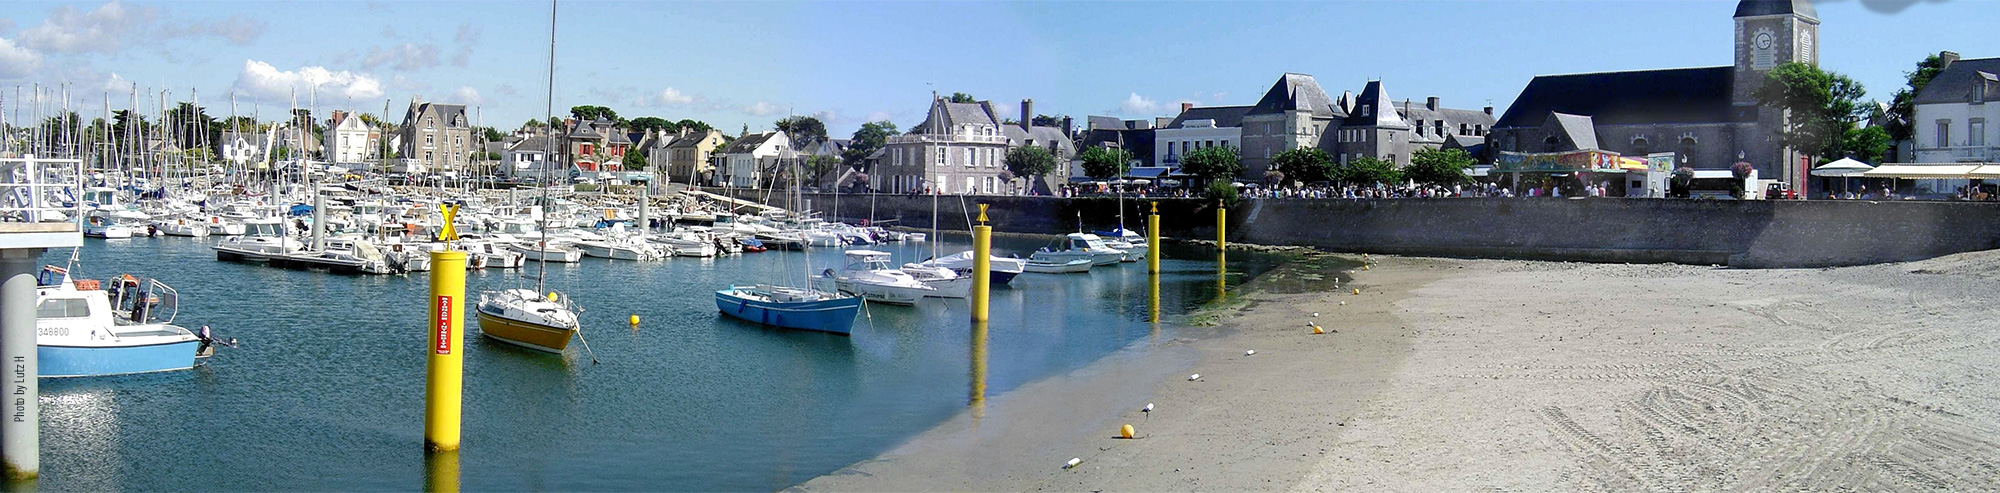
<point>635,320</point>
<point>1357,290</point>
<point>1317,330</point>
<point>1364,267</point>
<point>1125,432</point>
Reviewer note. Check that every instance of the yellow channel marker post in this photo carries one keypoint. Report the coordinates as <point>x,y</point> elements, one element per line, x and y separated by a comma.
<point>1153,240</point>
<point>982,266</point>
<point>445,384</point>
<point>1221,226</point>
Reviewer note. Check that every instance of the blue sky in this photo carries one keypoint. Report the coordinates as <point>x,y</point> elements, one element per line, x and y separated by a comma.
<point>737,63</point>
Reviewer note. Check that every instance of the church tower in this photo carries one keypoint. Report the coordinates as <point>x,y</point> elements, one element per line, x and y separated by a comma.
<point>1768,33</point>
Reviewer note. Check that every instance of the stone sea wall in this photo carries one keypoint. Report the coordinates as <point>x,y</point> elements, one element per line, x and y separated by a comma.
<point>1755,234</point>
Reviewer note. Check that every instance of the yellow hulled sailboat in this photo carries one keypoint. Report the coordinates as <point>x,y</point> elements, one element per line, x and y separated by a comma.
<point>527,319</point>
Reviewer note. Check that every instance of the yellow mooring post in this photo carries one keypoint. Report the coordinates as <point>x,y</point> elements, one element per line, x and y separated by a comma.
<point>444,386</point>
<point>1153,240</point>
<point>982,266</point>
<point>1221,226</point>
<point>441,472</point>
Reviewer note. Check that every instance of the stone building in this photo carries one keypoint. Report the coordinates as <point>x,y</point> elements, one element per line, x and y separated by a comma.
<point>1297,114</point>
<point>1708,117</point>
<point>961,148</point>
<point>1957,113</point>
<point>436,137</point>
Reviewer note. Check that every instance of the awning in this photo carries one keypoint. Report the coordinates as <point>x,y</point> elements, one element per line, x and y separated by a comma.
<point>1147,173</point>
<point>1843,167</point>
<point>1985,172</point>
<point>1922,171</point>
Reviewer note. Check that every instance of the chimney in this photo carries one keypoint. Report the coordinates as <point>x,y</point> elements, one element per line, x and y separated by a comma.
<point>1067,126</point>
<point>1186,106</point>
<point>1027,115</point>
<point>1947,57</point>
<point>1489,111</point>
<point>1346,101</point>
<point>1431,103</point>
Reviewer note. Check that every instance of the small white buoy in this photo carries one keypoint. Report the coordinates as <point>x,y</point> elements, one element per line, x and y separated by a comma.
<point>1343,303</point>
<point>1315,314</point>
<point>1148,409</point>
<point>1194,377</point>
<point>1250,352</point>
<point>1072,462</point>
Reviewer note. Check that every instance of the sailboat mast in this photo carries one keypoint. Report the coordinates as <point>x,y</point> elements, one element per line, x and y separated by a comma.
<point>541,277</point>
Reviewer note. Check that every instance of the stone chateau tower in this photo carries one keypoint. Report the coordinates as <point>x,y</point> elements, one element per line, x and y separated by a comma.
<point>1768,33</point>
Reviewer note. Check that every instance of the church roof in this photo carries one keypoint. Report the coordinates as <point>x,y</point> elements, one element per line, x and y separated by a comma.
<point>1374,108</point>
<point>1753,8</point>
<point>1682,95</point>
<point>1954,84</point>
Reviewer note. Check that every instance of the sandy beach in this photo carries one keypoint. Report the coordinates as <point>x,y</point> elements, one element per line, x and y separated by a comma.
<point>1450,374</point>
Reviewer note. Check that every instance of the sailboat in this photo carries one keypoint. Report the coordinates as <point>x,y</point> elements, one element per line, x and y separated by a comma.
<point>803,308</point>
<point>527,318</point>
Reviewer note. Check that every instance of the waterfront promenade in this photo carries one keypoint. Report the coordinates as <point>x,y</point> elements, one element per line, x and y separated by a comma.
<point>1451,375</point>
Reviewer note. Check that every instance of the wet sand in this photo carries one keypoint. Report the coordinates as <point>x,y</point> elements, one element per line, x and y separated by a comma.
<point>1475,374</point>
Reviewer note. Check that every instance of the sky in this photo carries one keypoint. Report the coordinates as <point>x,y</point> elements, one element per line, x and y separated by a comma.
<point>750,63</point>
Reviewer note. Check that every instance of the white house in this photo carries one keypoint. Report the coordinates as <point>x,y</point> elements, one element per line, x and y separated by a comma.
<point>1197,128</point>
<point>1957,111</point>
<point>528,158</point>
<point>348,139</point>
<point>746,159</point>
<point>242,148</point>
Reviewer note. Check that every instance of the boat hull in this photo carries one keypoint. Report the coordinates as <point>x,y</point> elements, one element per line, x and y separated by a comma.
<point>524,334</point>
<point>832,316</point>
<point>74,361</point>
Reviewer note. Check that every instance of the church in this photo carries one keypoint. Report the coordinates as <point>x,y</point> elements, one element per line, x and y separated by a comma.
<point>1708,116</point>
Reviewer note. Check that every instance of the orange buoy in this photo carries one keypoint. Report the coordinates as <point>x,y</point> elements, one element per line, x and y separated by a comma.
<point>1125,432</point>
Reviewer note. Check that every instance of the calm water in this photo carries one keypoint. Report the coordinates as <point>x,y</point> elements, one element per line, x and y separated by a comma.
<point>326,392</point>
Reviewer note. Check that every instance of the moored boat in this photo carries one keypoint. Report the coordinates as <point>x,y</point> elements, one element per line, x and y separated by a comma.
<point>788,307</point>
<point>1070,266</point>
<point>527,319</point>
<point>85,329</point>
<point>869,276</point>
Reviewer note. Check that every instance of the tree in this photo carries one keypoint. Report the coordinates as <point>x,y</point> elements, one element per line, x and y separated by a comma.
<point>491,134</point>
<point>1104,163</point>
<point>633,161</point>
<point>1442,167</point>
<point>802,130</point>
<point>650,124</point>
<point>696,126</point>
<point>1869,144</point>
<point>867,139</point>
<point>531,123</point>
<point>1822,106</point>
<point>1212,163</point>
<point>1902,107</point>
<point>1305,165</point>
<point>959,97</point>
<point>588,113</point>
<point>1030,161</point>
<point>1369,171</point>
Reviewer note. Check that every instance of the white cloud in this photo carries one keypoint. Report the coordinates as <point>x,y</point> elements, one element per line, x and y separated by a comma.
<point>468,95</point>
<point>762,108</point>
<point>262,81</point>
<point>671,96</point>
<point>116,84</point>
<point>468,35</point>
<point>826,116</point>
<point>1136,104</point>
<point>107,28</point>
<point>878,116</point>
<point>406,57</point>
<point>17,61</point>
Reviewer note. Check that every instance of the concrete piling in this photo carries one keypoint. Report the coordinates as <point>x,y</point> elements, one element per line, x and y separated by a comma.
<point>20,430</point>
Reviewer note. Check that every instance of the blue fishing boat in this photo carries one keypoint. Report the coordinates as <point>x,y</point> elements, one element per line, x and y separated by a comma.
<point>788,307</point>
<point>85,329</point>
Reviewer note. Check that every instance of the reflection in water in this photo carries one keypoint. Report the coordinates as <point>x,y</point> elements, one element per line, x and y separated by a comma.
<point>441,471</point>
<point>1221,275</point>
<point>978,388</point>
<point>89,418</point>
<point>1153,301</point>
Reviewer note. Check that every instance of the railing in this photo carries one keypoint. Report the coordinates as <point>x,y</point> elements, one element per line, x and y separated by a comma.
<point>40,202</point>
<point>1978,153</point>
<point>956,138</point>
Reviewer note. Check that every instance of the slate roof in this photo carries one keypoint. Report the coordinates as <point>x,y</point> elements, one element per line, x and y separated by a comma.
<point>537,143</point>
<point>1955,83</point>
<point>1374,108</point>
<point>1578,127</point>
<point>1753,8</point>
<point>1297,92</point>
<point>953,114</point>
<point>1682,95</point>
<point>689,141</point>
<point>747,143</point>
<point>1224,116</point>
<point>1042,136</point>
<point>1104,122</point>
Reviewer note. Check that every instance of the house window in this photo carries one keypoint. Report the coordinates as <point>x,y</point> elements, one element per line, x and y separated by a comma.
<point>1170,148</point>
<point>429,139</point>
<point>1438,125</point>
<point>1462,129</point>
<point>1976,132</point>
<point>1944,133</point>
<point>940,154</point>
<point>1549,144</point>
<point>1478,130</point>
<point>1208,144</point>
<point>1420,129</point>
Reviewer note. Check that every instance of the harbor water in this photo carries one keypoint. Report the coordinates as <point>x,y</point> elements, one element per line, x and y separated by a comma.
<point>326,391</point>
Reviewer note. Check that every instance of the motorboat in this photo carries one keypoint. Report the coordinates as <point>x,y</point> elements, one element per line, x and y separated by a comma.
<point>338,255</point>
<point>491,255</point>
<point>688,243</point>
<point>525,318</point>
<point>946,282</point>
<point>262,238</point>
<point>546,251</point>
<point>1131,242</point>
<point>182,227</point>
<point>106,227</point>
<point>1001,270</point>
<point>621,248</point>
<point>869,276</point>
<point>1082,245</point>
<point>782,240</point>
<point>789,307</point>
<point>86,329</point>
<point>1070,266</point>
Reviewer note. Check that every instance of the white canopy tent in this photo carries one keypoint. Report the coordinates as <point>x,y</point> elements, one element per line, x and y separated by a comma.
<point>1843,167</point>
